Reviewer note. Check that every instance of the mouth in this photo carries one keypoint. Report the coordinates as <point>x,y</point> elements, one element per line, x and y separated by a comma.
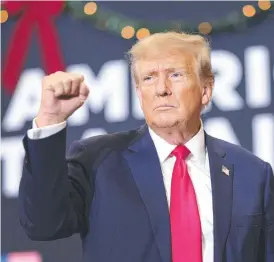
<point>164,107</point>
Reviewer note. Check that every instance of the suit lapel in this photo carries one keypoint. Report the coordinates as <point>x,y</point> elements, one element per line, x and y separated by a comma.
<point>222,188</point>
<point>145,168</point>
<point>144,164</point>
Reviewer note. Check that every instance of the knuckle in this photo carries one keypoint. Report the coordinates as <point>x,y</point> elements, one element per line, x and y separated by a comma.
<point>68,81</point>
<point>74,80</point>
<point>78,77</point>
<point>76,84</point>
<point>59,85</point>
<point>60,90</point>
<point>48,81</point>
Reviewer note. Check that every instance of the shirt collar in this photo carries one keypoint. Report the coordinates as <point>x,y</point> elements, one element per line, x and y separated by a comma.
<point>196,145</point>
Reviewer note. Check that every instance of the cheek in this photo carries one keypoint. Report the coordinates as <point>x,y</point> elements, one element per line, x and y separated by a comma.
<point>189,98</point>
<point>147,94</point>
<point>145,99</point>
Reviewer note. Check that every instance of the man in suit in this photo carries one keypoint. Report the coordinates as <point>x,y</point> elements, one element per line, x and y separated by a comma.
<point>164,192</point>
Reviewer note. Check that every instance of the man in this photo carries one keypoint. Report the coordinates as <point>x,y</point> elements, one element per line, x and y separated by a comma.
<point>165,192</point>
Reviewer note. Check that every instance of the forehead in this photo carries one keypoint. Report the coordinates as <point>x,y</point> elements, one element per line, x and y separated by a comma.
<point>164,63</point>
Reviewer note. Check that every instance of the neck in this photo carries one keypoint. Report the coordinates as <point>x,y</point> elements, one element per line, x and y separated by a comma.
<point>179,134</point>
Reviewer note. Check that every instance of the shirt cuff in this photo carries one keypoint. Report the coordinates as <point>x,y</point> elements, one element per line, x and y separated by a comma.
<point>46,131</point>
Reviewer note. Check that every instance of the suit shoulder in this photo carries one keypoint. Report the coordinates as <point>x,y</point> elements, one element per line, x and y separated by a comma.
<point>118,140</point>
<point>240,154</point>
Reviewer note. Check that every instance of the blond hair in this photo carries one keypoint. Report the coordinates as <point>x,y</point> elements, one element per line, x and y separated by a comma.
<point>156,44</point>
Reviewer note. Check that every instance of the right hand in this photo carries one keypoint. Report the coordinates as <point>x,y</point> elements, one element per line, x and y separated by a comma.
<point>62,94</point>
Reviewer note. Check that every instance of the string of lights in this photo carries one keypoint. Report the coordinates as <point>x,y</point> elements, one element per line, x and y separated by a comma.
<point>129,28</point>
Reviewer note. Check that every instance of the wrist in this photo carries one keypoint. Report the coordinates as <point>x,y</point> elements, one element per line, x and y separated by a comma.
<point>44,119</point>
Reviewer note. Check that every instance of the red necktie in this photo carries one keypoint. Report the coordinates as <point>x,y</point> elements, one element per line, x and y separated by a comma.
<point>186,233</point>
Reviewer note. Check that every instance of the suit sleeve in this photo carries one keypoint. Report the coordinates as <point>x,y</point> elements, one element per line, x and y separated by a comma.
<point>55,190</point>
<point>269,215</point>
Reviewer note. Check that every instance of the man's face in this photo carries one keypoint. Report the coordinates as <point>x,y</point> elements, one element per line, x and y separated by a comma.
<point>170,91</point>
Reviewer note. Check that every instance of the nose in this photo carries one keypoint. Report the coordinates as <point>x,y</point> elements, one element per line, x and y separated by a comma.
<point>162,86</point>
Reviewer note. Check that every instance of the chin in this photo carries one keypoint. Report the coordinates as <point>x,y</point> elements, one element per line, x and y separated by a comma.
<point>165,122</point>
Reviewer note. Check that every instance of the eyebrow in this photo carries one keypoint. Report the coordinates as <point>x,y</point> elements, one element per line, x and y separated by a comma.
<point>170,69</point>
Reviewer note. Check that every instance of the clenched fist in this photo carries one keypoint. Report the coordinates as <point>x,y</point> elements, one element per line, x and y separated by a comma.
<point>62,94</point>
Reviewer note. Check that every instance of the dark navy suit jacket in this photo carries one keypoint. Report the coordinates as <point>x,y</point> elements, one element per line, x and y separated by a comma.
<point>110,190</point>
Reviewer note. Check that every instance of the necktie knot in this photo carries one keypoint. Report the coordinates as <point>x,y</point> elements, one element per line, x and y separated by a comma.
<point>181,152</point>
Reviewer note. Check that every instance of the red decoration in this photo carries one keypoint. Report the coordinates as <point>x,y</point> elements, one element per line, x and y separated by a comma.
<point>36,15</point>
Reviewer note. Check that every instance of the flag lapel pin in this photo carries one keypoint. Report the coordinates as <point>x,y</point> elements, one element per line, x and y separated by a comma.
<point>225,170</point>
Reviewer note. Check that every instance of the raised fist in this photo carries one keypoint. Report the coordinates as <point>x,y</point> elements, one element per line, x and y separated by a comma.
<point>62,94</point>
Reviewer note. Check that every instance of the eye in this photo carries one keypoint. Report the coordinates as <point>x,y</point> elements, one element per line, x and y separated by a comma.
<point>147,78</point>
<point>176,74</point>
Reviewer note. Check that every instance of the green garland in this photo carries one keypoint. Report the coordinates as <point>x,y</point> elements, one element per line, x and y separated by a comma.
<point>114,22</point>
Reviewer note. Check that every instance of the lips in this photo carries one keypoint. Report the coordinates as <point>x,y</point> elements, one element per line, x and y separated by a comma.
<point>163,107</point>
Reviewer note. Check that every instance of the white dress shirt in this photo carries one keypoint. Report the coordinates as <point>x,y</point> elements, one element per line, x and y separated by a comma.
<point>198,168</point>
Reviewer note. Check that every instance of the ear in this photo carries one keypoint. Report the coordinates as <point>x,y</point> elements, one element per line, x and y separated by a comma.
<point>207,92</point>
